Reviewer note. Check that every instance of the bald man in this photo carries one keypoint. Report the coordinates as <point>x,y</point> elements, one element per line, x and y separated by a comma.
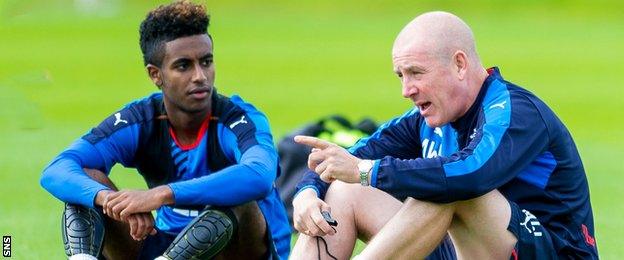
<point>479,169</point>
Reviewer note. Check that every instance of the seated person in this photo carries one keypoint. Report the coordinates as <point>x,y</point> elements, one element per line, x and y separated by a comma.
<point>478,159</point>
<point>208,160</point>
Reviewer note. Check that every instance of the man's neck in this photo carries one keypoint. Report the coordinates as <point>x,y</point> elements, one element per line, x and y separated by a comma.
<point>475,84</point>
<point>186,125</point>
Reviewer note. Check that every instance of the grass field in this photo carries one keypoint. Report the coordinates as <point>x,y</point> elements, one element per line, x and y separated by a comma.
<point>65,65</point>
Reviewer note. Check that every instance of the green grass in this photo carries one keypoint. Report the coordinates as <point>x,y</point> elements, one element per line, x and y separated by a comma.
<point>63,68</point>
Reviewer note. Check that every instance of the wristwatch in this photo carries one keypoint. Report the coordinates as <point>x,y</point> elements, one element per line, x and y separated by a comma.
<point>364,167</point>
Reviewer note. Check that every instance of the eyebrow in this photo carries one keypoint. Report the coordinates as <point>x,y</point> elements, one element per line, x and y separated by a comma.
<point>180,60</point>
<point>186,59</point>
<point>207,56</point>
<point>409,67</point>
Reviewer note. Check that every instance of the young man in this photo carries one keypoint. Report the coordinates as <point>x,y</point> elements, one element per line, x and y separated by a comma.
<point>478,158</point>
<point>208,160</point>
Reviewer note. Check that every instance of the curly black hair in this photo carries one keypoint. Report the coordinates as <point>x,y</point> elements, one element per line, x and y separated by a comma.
<point>167,23</point>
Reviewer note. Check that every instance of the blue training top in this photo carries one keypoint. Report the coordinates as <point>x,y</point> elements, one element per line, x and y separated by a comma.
<point>508,140</point>
<point>235,164</point>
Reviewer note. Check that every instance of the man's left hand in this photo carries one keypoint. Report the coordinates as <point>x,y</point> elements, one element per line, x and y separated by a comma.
<point>330,161</point>
<point>119,205</point>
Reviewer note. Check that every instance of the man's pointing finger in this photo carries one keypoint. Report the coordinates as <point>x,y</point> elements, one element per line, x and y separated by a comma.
<point>312,141</point>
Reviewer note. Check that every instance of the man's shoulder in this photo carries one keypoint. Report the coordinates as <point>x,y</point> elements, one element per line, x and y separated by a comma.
<point>136,112</point>
<point>527,101</point>
<point>505,97</point>
<point>525,104</point>
<point>231,109</point>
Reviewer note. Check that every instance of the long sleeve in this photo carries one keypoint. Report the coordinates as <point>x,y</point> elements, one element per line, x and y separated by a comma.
<point>250,179</point>
<point>512,136</point>
<point>397,138</point>
<point>105,145</point>
<point>247,136</point>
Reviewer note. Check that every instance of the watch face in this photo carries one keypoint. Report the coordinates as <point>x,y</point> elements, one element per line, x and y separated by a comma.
<point>365,165</point>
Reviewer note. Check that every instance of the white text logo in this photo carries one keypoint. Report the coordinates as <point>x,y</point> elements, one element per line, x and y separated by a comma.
<point>474,133</point>
<point>428,149</point>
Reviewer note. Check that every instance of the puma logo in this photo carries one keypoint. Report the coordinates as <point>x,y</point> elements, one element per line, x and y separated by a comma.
<point>501,105</point>
<point>241,121</point>
<point>118,119</point>
<point>530,223</point>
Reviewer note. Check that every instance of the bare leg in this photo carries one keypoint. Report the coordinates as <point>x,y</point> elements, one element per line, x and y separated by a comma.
<point>250,240</point>
<point>478,228</point>
<point>427,224</point>
<point>360,211</point>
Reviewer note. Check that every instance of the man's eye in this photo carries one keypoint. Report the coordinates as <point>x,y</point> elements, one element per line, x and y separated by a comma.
<point>206,63</point>
<point>182,67</point>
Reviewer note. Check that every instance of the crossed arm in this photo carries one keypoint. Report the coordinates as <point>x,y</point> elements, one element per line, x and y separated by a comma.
<point>116,204</point>
<point>119,205</point>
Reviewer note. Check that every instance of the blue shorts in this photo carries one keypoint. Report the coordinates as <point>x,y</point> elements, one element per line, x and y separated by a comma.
<point>534,241</point>
<point>154,246</point>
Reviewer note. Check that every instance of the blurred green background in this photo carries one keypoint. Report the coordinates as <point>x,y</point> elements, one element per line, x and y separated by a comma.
<point>65,65</point>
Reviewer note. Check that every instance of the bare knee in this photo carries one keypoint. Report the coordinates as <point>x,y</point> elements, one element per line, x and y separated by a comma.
<point>343,194</point>
<point>100,177</point>
<point>491,201</point>
<point>418,205</point>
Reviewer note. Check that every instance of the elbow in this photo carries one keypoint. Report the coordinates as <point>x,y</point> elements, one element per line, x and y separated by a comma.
<point>264,186</point>
<point>47,179</point>
<point>262,180</point>
<point>53,181</point>
<point>265,190</point>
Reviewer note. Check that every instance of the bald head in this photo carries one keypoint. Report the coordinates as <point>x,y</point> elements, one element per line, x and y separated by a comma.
<point>435,58</point>
<point>439,34</point>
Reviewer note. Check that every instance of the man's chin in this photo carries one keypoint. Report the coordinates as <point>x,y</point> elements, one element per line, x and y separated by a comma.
<point>433,122</point>
<point>197,108</point>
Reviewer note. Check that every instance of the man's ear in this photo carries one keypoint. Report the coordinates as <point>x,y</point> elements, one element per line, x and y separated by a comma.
<point>460,64</point>
<point>154,73</point>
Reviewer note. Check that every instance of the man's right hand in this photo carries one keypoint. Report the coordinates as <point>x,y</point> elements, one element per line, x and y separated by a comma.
<point>307,216</point>
<point>141,225</point>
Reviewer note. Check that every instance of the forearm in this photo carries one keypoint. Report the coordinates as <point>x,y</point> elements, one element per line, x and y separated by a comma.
<point>312,181</point>
<point>417,178</point>
<point>233,185</point>
<point>66,180</point>
<point>164,194</point>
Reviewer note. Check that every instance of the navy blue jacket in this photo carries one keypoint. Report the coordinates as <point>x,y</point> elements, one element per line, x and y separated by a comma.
<point>508,140</point>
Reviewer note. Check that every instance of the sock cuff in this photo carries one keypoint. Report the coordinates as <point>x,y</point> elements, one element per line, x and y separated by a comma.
<point>82,257</point>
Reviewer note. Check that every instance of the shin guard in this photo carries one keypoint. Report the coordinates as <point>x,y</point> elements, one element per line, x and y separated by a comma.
<point>204,237</point>
<point>83,230</point>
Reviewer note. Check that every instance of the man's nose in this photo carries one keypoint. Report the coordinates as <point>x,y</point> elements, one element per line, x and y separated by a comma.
<point>199,75</point>
<point>409,89</point>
